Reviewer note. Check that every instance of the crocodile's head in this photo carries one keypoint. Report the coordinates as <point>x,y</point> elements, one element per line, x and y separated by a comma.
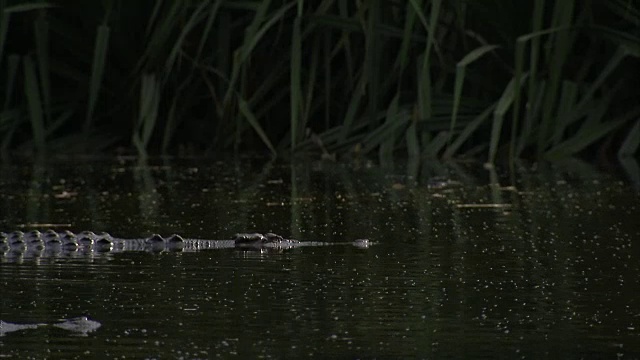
<point>258,240</point>
<point>274,238</point>
<point>250,239</point>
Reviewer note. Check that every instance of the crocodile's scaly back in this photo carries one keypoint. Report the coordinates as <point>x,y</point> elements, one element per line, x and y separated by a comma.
<point>51,241</point>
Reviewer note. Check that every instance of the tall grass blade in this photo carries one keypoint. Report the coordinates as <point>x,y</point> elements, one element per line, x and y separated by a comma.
<point>386,135</point>
<point>5,18</point>
<point>411,137</point>
<point>631,143</point>
<point>352,109</point>
<point>10,85</point>
<point>161,33</point>
<point>435,145</point>
<point>308,104</point>
<point>411,15</point>
<point>42,54</point>
<point>254,33</point>
<point>534,56</point>
<point>372,58</point>
<point>153,17</point>
<point>515,122</point>
<point>430,26</point>
<point>172,121</point>
<point>27,7</point>
<point>150,92</point>
<point>425,88</point>
<point>566,105</point>
<point>253,121</point>
<point>535,104</point>
<point>586,136</point>
<point>172,115</point>
<point>296,86</point>
<point>97,70</point>
<point>326,62</point>
<point>186,28</point>
<point>558,48</point>
<point>468,130</point>
<point>387,145</point>
<point>9,121</point>
<point>34,102</point>
<point>346,44</point>
<point>608,69</point>
<point>498,116</point>
<point>223,56</point>
<point>461,68</point>
<point>213,13</point>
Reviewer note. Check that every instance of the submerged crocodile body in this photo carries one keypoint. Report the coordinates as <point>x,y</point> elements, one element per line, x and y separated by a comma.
<point>52,241</point>
<point>80,326</point>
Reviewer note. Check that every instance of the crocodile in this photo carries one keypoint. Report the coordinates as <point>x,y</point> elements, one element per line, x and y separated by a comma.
<point>52,241</point>
<point>80,326</point>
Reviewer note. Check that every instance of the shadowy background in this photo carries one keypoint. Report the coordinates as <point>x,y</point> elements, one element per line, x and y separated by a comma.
<point>486,79</point>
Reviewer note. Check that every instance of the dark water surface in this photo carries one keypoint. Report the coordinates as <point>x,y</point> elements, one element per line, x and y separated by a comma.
<point>469,264</point>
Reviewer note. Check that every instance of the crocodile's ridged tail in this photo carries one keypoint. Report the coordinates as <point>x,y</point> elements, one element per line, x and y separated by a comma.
<point>59,243</point>
<point>66,241</point>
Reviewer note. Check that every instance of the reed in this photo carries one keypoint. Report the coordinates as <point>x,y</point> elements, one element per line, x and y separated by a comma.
<point>422,78</point>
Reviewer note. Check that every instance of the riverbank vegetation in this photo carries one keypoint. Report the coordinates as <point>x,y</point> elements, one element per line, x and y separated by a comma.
<point>490,79</point>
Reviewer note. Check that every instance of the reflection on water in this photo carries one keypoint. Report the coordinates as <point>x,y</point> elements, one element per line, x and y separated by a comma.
<point>470,262</point>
